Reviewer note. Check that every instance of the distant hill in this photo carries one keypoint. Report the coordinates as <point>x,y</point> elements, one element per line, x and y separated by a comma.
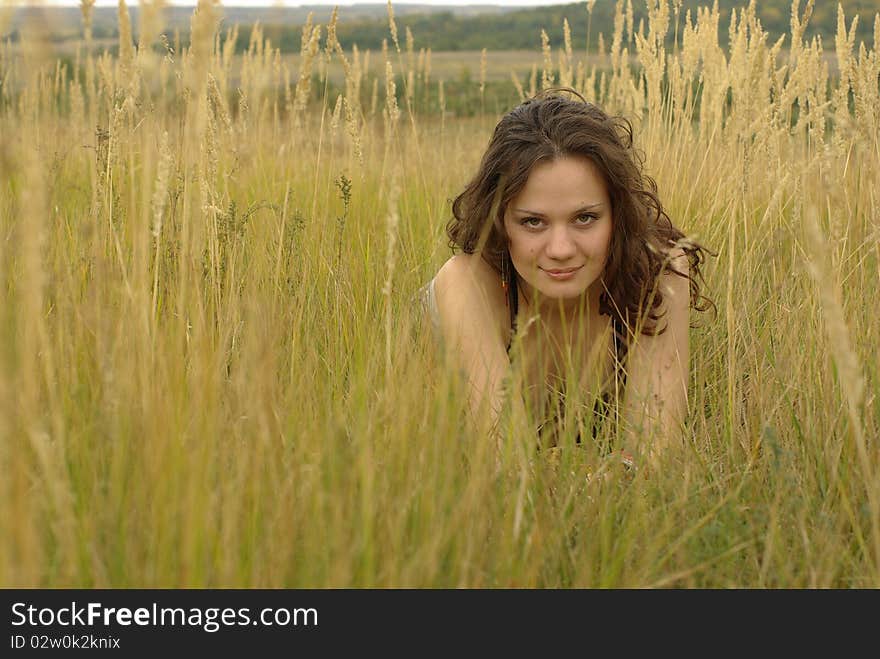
<point>466,27</point>
<point>68,20</point>
<point>444,30</point>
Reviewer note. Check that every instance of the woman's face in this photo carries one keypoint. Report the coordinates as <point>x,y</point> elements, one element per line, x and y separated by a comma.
<point>559,227</point>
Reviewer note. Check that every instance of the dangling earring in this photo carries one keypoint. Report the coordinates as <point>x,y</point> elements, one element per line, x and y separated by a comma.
<point>505,277</point>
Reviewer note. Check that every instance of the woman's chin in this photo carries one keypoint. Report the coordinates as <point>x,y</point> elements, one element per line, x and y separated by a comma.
<point>563,291</point>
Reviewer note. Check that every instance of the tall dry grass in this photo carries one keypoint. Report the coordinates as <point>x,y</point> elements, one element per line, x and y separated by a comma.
<point>213,371</point>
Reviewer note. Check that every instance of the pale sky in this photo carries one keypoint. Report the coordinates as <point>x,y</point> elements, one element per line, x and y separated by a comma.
<point>287,3</point>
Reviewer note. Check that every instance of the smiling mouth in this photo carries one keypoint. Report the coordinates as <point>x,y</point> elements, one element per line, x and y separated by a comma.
<point>564,271</point>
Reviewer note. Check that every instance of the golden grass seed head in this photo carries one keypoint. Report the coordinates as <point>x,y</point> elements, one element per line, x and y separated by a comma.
<point>304,84</point>
<point>160,191</point>
<point>517,85</point>
<point>365,67</point>
<point>229,48</point>
<point>410,44</point>
<point>877,34</point>
<point>203,24</point>
<point>798,25</point>
<point>392,222</point>
<point>628,23</point>
<point>617,35</point>
<point>332,41</point>
<point>337,113</point>
<point>547,77</point>
<point>566,39</point>
<point>658,21</point>
<point>218,104</point>
<point>86,8</point>
<point>354,132</point>
<point>306,38</point>
<point>391,94</point>
<point>374,97</point>
<point>392,26</point>
<point>150,12</point>
<point>126,44</point>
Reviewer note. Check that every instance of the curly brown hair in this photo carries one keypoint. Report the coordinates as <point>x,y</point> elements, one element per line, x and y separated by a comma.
<point>560,122</point>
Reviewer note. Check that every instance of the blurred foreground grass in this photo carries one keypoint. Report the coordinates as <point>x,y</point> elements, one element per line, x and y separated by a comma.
<point>213,371</point>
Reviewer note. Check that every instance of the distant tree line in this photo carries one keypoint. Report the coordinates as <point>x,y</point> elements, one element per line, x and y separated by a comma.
<point>520,30</point>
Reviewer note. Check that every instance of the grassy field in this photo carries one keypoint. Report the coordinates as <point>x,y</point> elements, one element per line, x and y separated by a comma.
<point>213,371</point>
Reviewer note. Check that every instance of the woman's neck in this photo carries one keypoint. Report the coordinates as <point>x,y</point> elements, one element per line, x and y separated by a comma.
<point>569,315</point>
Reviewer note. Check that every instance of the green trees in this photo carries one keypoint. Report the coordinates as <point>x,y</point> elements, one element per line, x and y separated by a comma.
<point>520,30</point>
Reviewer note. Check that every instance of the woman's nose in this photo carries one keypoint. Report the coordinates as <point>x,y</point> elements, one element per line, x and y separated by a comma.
<point>560,245</point>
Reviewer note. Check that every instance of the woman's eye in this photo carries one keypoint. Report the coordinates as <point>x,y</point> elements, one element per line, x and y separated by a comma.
<point>586,219</point>
<point>533,222</point>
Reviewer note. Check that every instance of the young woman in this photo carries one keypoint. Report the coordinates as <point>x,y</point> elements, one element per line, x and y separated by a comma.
<point>568,262</point>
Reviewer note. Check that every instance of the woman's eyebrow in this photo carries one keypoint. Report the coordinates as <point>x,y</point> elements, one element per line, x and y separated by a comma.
<point>582,209</point>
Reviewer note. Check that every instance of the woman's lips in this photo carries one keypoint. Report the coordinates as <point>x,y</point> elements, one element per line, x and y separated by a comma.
<point>561,274</point>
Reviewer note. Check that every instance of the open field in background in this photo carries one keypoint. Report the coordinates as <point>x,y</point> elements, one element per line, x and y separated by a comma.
<point>213,370</point>
<point>448,65</point>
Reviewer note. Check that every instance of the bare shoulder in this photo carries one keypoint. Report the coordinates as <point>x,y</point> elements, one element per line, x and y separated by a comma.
<point>465,269</point>
<point>674,280</point>
<point>657,365</point>
<point>470,303</point>
<point>469,290</point>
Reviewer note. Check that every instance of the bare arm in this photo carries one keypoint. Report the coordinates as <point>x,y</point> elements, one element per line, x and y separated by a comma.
<point>655,402</point>
<point>473,334</point>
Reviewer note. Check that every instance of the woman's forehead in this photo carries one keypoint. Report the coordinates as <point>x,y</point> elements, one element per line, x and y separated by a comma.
<point>564,178</point>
